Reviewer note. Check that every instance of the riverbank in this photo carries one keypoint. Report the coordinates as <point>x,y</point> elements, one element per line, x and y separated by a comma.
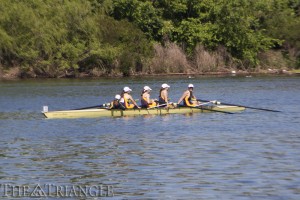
<point>16,73</point>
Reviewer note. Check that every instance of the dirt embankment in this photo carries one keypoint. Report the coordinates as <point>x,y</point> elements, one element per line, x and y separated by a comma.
<point>12,73</point>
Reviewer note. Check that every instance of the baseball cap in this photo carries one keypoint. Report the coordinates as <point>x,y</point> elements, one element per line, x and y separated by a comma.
<point>147,88</point>
<point>165,85</point>
<point>127,89</point>
<point>117,97</point>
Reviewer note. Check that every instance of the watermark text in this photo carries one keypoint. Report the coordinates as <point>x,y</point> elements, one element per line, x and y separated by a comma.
<point>57,191</point>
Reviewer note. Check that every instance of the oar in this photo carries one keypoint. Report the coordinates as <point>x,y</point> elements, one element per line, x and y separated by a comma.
<point>201,107</point>
<point>201,104</point>
<point>97,106</point>
<point>157,106</point>
<point>229,104</point>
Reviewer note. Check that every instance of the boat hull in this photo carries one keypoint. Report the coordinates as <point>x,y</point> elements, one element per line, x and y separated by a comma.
<point>94,113</point>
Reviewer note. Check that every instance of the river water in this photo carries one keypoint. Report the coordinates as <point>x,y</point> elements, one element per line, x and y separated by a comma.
<point>248,155</point>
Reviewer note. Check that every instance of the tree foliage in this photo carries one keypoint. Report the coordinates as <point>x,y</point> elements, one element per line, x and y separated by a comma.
<point>56,36</point>
<point>244,27</point>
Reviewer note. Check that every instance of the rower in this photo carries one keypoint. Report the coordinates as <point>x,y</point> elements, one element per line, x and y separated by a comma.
<point>115,104</point>
<point>126,99</point>
<point>163,94</point>
<point>145,98</point>
<point>188,97</point>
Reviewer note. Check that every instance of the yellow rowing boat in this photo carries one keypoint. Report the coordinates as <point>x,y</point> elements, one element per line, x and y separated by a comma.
<point>93,113</point>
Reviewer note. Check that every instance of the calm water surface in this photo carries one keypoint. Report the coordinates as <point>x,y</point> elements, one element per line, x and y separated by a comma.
<point>250,155</point>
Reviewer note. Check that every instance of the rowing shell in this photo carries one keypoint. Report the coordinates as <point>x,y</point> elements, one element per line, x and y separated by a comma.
<point>92,113</point>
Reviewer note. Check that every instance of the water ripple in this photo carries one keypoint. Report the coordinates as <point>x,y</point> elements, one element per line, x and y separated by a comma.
<point>252,155</point>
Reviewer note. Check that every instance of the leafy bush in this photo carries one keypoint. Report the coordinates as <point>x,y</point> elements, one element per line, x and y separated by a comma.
<point>54,37</point>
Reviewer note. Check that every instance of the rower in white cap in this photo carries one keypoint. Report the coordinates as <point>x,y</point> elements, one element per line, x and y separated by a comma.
<point>188,97</point>
<point>115,104</point>
<point>145,98</point>
<point>163,94</point>
<point>126,99</point>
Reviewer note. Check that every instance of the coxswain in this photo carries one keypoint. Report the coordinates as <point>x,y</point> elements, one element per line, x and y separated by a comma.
<point>126,99</point>
<point>163,94</point>
<point>115,104</point>
<point>145,98</point>
<point>188,97</point>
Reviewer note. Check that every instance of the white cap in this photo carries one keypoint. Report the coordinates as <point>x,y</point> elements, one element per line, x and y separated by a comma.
<point>147,88</point>
<point>165,85</point>
<point>127,89</point>
<point>191,85</point>
<point>118,97</point>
